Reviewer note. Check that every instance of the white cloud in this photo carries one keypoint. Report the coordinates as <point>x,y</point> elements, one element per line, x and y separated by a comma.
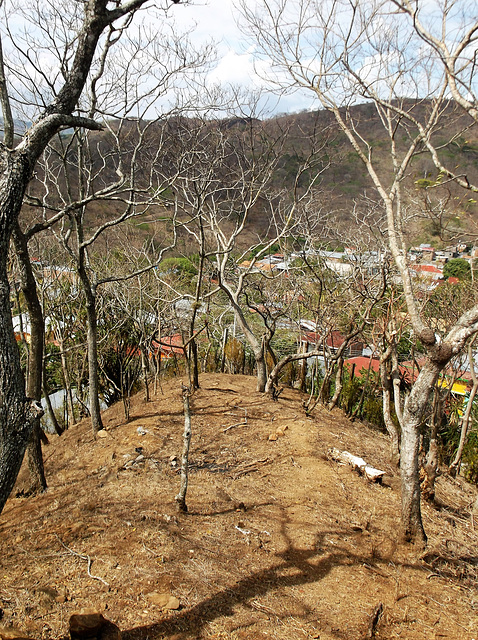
<point>236,69</point>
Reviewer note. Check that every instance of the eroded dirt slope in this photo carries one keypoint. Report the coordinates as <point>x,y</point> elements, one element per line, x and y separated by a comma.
<point>279,541</point>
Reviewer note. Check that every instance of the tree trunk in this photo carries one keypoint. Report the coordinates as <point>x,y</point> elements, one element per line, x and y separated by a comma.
<point>17,412</point>
<point>303,370</point>
<point>430,468</point>
<point>195,366</point>
<point>49,408</point>
<point>338,384</point>
<point>223,354</point>
<point>256,345</point>
<point>93,368</point>
<point>465,428</point>
<point>93,383</point>
<point>144,369</point>
<point>181,497</point>
<point>35,359</point>
<point>292,357</point>
<point>392,430</point>
<point>261,370</point>
<point>413,411</point>
<point>70,407</point>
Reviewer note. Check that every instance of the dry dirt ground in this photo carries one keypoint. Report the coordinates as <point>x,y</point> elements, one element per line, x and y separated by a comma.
<point>279,541</point>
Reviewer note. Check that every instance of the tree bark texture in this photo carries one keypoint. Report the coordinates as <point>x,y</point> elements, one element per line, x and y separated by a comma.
<point>409,464</point>
<point>392,430</point>
<point>35,360</point>
<point>93,381</point>
<point>181,497</point>
<point>338,384</point>
<point>17,412</point>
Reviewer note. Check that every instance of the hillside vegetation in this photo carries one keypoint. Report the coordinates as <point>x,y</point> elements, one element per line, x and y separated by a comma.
<point>343,187</point>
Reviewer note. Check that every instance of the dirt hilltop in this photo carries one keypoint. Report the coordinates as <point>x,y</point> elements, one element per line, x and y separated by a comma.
<point>279,542</point>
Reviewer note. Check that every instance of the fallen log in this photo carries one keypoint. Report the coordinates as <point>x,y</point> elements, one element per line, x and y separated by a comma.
<point>357,463</point>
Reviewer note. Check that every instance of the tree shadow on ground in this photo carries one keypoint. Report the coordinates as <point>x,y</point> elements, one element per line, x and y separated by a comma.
<point>292,567</point>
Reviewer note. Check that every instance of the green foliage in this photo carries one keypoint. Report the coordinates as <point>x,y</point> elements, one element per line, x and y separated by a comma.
<point>449,437</point>
<point>457,268</point>
<point>275,248</point>
<point>470,456</point>
<point>351,392</point>
<point>424,183</point>
<point>361,396</point>
<point>178,266</point>
<point>54,375</point>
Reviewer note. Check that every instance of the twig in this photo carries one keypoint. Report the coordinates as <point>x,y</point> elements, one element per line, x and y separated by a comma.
<point>375,618</point>
<point>238,424</point>
<point>249,467</point>
<point>83,557</point>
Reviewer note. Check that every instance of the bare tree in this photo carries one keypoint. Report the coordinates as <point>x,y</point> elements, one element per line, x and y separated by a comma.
<point>111,175</point>
<point>342,52</point>
<point>224,181</point>
<point>52,99</point>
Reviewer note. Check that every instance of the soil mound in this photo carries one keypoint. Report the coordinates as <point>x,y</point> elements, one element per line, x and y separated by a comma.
<point>280,541</point>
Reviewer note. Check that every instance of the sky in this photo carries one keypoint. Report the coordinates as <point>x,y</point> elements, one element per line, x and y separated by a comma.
<point>217,20</point>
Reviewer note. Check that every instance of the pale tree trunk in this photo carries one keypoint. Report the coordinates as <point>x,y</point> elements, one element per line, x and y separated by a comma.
<point>181,497</point>
<point>338,384</point>
<point>292,357</point>
<point>223,354</point>
<point>93,369</point>
<point>256,345</point>
<point>413,411</point>
<point>261,369</point>
<point>70,407</point>
<point>466,418</point>
<point>92,346</point>
<point>430,466</point>
<point>391,427</point>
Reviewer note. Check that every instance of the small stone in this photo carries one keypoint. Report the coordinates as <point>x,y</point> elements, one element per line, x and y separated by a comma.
<point>48,592</point>
<point>86,625</point>
<point>164,600</point>
<point>280,431</point>
<point>173,604</point>
<point>139,458</point>
<point>92,624</point>
<point>141,431</point>
<point>273,437</point>
<point>102,434</point>
<point>10,633</point>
